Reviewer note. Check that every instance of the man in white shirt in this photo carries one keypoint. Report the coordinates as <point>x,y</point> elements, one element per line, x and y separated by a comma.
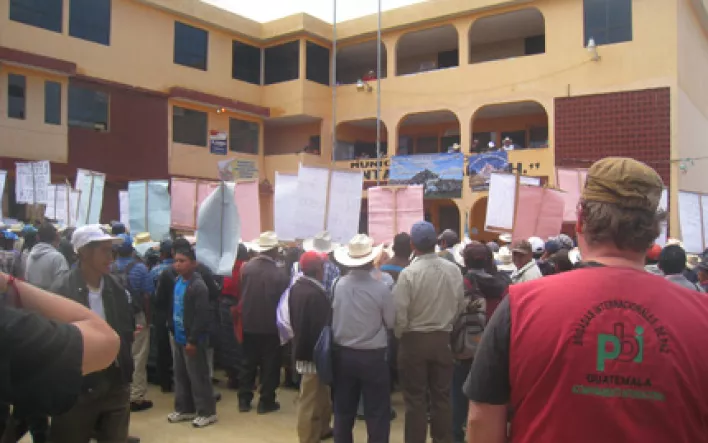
<point>526,267</point>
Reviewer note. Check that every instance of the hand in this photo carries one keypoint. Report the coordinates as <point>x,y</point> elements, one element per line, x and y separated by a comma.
<point>190,350</point>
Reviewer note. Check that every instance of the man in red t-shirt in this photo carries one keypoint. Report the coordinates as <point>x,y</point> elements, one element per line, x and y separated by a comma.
<point>606,353</point>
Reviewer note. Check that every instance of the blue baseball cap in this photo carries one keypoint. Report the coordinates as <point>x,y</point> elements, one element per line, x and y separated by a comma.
<point>126,244</point>
<point>552,246</point>
<point>423,235</point>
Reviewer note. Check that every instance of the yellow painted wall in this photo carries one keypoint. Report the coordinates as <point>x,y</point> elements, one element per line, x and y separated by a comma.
<point>31,138</point>
<point>289,139</point>
<point>197,161</point>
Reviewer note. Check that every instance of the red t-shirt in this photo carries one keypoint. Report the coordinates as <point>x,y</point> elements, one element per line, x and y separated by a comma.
<point>607,355</point>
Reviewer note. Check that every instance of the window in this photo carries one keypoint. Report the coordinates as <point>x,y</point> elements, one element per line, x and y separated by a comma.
<point>535,45</point>
<point>317,63</point>
<point>52,103</point>
<point>16,96</point>
<point>282,63</point>
<point>246,63</point>
<point>191,46</point>
<point>243,136</point>
<point>189,127</point>
<point>88,108</point>
<point>90,20</point>
<point>45,14</point>
<point>608,21</point>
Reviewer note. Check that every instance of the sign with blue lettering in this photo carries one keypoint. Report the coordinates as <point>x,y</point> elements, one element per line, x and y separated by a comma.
<point>218,142</point>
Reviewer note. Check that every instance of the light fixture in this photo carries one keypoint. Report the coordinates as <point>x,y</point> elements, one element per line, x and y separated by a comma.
<point>362,85</point>
<point>592,49</point>
<point>220,110</point>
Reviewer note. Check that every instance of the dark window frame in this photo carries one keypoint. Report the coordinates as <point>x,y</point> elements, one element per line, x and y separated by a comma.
<point>317,63</point>
<point>194,136</point>
<point>52,102</point>
<point>242,57</point>
<point>247,126</point>
<point>191,56</point>
<point>279,55</point>
<point>88,113</point>
<point>90,20</point>
<point>16,96</point>
<point>26,12</point>
<point>608,32</point>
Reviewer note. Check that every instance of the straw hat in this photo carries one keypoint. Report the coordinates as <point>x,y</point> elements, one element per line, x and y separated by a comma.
<point>143,237</point>
<point>321,242</point>
<point>358,252</point>
<point>505,259</point>
<point>265,242</point>
<point>505,237</point>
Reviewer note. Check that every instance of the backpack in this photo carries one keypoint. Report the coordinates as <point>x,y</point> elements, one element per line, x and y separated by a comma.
<point>468,328</point>
<point>122,277</point>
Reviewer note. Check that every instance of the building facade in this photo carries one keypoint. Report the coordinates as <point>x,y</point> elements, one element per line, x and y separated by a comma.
<point>134,88</point>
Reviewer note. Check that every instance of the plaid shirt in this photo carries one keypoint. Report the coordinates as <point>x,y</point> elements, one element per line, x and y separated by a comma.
<point>331,273</point>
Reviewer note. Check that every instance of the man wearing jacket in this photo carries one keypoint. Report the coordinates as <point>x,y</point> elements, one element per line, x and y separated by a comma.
<point>45,264</point>
<point>262,284</point>
<point>189,324</point>
<point>310,311</point>
<point>102,411</point>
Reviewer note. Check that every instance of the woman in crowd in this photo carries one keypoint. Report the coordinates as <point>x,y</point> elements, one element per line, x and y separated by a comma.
<point>231,333</point>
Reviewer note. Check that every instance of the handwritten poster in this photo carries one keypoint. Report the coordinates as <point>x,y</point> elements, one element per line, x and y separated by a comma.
<point>311,201</point>
<point>124,205</point>
<point>149,208</point>
<point>32,181</point>
<point>691,221</point>
<point>539,213</point>
<point>184,203</point>
<point>57,206</point>
<point>219,230</point>
<point>500,203</point>
<point>572,181</point>
<point>393,210</point>
<point>284,205</point>
<point>664,206</point>
<point>91,185</point>
<point>3,177</point>
<point>344,205</point>
<point>249,209</point>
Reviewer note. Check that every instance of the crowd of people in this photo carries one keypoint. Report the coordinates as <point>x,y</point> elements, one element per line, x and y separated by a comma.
<point>517,340</point>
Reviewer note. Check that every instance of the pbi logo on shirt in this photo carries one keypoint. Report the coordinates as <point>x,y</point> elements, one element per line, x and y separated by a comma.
<point>620,347</point>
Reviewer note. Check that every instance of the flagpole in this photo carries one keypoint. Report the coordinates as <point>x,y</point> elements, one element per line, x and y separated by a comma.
<point>378,96</point>
<point>334,78</point>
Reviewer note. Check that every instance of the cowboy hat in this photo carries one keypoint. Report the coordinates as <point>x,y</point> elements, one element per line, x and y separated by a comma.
<point>505,237</point>
<point>321,242</point>
<point>141,238</point>
<point>457,253</point>
<point>505,259</point>
<point>265,242</point>
<point>574,256</point>
<point>358,252</point>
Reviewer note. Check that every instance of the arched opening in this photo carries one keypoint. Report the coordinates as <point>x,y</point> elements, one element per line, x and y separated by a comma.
<point>427,50</point>
<point>428,133</point>
<point>443,214</point>
<point>509,126</point>
<point>478,216</point>
<point>509,35</point>
<point>358,62</point>
<point>356,140</point>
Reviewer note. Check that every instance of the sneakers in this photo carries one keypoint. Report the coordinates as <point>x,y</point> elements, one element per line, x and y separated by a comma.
<point>265,408</point>
<point>202,422</point>
<point>179,417</point>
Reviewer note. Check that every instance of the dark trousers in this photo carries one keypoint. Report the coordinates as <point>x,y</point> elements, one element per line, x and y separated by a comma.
<point>261,354</point>
<point>460,403</point>
<point>102,414</point>
<point>425,363</point>
<point>361,372</point>
<point>164,355</point>
<point>194,393</point>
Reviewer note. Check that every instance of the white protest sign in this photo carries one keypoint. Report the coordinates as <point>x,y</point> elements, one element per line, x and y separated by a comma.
<point>344,205</point>
<point>219,230</point>
<point>58,204</point>
<point>310,201</point>
<point>124,204</point>
<point>690,219</point>
<point>664,206</point>
<point>91,185</point>
<point>284,205</point>
<point>32,181</point>
<point>501,203</point>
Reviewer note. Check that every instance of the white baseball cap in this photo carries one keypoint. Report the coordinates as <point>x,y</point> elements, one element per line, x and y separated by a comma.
<point>91,234</point>
<point>537,245</point>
